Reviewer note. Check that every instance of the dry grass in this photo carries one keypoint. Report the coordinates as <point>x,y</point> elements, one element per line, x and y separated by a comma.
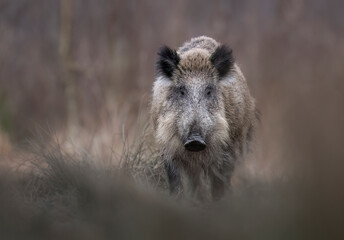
<point>76,196</point>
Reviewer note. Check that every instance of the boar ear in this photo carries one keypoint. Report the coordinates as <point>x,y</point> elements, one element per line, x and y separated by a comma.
<point>223,60</point>
<point>167,61</point>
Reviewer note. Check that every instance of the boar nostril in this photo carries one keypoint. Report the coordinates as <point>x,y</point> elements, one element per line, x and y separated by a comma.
<point>195,143</point>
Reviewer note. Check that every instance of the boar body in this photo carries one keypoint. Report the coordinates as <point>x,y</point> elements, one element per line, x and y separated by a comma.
<point>203,115</point>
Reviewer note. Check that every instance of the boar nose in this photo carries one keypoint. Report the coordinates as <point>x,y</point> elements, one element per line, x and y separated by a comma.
<point>195,143</point>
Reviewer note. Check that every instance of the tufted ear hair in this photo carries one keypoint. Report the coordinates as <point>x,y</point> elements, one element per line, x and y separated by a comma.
<point>167,61</point>
<point>223,60</point>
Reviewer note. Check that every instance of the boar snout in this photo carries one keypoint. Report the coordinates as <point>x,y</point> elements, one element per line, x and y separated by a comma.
<point>195,143</point>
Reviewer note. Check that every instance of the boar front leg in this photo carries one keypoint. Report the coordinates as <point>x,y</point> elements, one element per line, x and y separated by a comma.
<point>173,176</point>
<point>220,181</point>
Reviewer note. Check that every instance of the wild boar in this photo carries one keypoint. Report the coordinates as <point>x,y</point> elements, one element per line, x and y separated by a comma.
<point>203,114</point>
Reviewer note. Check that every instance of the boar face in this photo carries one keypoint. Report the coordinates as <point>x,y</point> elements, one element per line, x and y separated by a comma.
<point>196,104</point>
<point>188,98</point>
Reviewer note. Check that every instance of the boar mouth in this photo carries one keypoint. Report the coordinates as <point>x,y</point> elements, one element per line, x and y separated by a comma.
<point>195,143</point>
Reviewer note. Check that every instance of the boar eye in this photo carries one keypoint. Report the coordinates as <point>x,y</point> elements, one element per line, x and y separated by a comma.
<point>208,91</point>
<point>182,91</point>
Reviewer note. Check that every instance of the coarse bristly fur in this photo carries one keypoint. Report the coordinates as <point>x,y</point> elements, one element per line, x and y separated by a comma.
<point>199,88</point>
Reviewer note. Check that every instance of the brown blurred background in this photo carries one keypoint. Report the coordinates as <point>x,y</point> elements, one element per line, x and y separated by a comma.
<point>82,70</point>
<point>86,65</point>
